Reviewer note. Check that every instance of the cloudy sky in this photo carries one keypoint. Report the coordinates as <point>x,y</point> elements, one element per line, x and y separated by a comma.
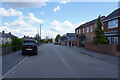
<point>24,18</point>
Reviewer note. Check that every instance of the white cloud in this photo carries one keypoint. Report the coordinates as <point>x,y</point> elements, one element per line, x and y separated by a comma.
<point>62,28</point>
<point>9,12</point>
<point>19,23</point>
<point>25,0</point>
<point>34,19</point>
<point>20,32</point>
<point>56,9</point>
<point>64,1</point>
<point>23,5</point>
<point>42,13</point>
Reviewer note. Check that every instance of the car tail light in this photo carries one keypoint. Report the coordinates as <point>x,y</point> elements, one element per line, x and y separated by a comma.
<point>35,46</point>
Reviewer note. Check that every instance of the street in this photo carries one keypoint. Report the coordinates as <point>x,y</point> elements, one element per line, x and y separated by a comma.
<point>56,61</point>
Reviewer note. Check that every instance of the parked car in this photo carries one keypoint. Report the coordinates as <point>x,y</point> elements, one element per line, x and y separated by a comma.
<point>29,47</point>
<point>55,43</point>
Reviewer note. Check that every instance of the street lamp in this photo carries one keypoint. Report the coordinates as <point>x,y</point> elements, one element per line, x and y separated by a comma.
<point>40,31</point>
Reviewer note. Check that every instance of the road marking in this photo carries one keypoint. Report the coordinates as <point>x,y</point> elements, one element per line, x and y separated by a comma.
<point>64,61</point>
<point>13,68</point>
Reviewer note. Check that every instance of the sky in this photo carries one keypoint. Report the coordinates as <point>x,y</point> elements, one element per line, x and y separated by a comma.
<point>24,18</point>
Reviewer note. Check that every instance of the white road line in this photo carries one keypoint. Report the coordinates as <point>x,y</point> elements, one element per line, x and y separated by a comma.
<point>14,68</point>
<point>64,61</point>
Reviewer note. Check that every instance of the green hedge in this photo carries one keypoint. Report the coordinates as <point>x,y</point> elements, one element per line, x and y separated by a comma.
<point>5,45</point>
<point>18,43</point>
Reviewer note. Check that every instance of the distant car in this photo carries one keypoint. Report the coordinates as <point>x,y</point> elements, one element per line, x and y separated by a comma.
<point>29,47</point>
<point>55,43</point>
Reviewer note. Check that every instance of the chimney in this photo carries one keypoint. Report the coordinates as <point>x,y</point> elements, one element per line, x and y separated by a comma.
<point>9,32</point>
<point>3,31</point>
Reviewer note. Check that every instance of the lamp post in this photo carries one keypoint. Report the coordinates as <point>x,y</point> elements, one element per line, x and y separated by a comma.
<point>40,32</point>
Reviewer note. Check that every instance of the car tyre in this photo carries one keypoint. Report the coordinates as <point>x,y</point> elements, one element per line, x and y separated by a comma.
<point>23,53</point>
<point>35,53</point>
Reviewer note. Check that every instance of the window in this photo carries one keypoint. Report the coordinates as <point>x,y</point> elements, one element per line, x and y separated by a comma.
<point>95,25</point>
<point>87,29</point>
<point>83,30</point>
<point>91,28</point>
<point>91,38</point>
<point>79,31</point>
<point>113,23</point>
<point>87,38</point>
<point>113,40</point>
<point>102,26</point>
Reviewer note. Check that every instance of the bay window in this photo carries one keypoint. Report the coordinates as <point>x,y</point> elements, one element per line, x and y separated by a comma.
<point>113,40</point>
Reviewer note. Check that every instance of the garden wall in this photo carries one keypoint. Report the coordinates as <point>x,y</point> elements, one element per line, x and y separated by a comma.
<point>8,50</point>
<point>103,48</point>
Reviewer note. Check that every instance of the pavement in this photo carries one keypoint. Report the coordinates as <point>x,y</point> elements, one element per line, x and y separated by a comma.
<point>11,60</point>
<point>102,56</point>
<point>55,61</point>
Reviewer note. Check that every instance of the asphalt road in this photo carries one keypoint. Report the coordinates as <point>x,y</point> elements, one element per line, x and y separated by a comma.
<point>54,61</point>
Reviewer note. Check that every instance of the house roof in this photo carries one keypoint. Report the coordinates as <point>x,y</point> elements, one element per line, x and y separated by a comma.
<point>7,35</point>
<point>27,37</point>
<point>89,23</point>
<point>113,15</point>
<point>70,34</point>
<point>63,38</point>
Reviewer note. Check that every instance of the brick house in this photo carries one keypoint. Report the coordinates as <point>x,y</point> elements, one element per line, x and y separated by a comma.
<point>70,38</point>
<point>112,27</point>
<point>85,32</point>
<point>62,40</point>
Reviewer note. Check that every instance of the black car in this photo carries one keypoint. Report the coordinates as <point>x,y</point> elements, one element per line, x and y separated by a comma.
<point>29,47</point>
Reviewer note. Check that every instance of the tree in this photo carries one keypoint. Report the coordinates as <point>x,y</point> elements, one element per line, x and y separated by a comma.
<point>37,38</point>
<point>99,33</point>
<point>57,37</point>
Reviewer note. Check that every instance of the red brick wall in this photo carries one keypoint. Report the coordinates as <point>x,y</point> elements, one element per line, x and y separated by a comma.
<point>113,29</point>
<point>103,48</point>
<point>90,34</point>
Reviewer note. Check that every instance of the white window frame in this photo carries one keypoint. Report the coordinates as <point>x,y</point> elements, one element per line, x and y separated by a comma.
<point>114,40</point>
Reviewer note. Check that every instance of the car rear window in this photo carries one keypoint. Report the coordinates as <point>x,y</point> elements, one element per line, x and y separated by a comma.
<point>29,42</point>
